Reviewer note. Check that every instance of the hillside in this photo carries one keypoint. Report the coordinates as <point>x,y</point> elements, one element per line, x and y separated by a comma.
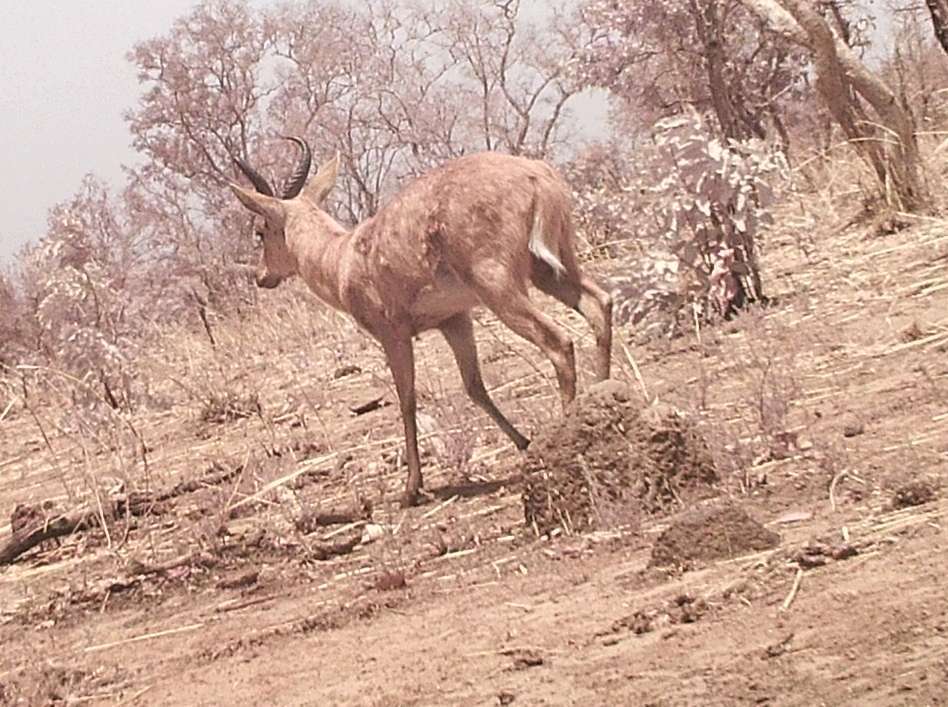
<point>226,577</point>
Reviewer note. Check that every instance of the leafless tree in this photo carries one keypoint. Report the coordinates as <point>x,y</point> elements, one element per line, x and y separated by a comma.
<point>888,142</point>
<point>666,56</point>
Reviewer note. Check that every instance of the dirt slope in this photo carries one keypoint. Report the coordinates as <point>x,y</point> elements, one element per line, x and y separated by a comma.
<point>241,589</point>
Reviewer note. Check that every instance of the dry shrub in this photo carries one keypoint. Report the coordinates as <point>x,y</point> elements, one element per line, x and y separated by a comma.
<point>765,384</point>
<point>106,445</point>
<point>454,430</point>
<point>42,681</point>
<point>228,406</point>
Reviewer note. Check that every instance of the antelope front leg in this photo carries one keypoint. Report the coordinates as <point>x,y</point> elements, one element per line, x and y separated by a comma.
<point>459,333</point>
<point>401,361</point>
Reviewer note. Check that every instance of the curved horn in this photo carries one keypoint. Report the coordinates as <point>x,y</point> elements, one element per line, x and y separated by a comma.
<point>294,185</point>
<point>259,183</point>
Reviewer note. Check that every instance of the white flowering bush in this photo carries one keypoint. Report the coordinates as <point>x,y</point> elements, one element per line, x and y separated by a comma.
<point>88,318</point>
<point>709,200</point>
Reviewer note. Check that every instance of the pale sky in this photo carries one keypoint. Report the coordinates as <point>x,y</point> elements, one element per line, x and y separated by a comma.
<point>64,83</point>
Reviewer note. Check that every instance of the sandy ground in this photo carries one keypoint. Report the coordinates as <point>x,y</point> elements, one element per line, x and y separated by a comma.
<point>819,410</point>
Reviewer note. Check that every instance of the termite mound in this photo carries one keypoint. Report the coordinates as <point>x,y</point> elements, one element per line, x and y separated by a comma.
<point>709,533</point>
<point>610,459</point>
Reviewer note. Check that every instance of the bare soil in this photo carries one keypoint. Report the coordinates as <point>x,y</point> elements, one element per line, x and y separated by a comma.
<point>267,561</point>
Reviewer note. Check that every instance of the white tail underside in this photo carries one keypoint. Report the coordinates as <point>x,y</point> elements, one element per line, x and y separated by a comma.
<point>540,249</point>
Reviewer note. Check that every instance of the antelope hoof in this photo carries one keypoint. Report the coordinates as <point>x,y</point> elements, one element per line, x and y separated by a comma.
<point>412,497</point>
<point>418,497</point>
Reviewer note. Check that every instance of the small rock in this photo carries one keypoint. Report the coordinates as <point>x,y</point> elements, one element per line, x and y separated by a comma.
<point>344,371</point>
<point>524,658</point>
<point>810,561</point>
<point>239,580</point>
<point>843,552</point>
<point>853,429</point>
<point>505,698</point>
<point>778,649</point>
<point>914,493</point>
<point>736,588</point>
<point>368,406</point>
<point>390,580</point>
<point>372,532</point>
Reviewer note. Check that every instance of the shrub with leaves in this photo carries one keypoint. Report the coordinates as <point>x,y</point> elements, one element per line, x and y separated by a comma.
<point>709,207</point>
<point>83,270</point>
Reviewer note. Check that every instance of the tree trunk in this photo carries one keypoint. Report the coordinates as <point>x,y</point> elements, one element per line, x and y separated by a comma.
<point>939,13</point>
<point>705,14</point>
<point>889,147</point>
<point>734,119</point>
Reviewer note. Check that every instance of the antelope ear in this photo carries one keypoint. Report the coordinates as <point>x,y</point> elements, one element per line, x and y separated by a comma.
<point>320,185</point>
<point>271,209</point>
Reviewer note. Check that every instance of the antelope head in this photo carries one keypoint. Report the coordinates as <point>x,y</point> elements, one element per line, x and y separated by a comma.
<point>278,260</point>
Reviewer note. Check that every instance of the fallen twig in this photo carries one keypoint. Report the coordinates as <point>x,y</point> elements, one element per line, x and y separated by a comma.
<point>832,490</point>
<point>440,507</point>
<point>237,605</point>
<point>145,637</point>
<point>47,530</point>
<point>7,409</point>
<point>135,697</point>
<point>793,591</point>
<point>143,503</point>
<point>636,371</point>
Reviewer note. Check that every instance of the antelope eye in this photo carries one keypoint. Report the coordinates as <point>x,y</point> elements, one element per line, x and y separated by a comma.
<point>258,237</point>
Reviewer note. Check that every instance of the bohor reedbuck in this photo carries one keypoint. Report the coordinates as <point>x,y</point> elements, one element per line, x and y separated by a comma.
<point>477,230</point>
